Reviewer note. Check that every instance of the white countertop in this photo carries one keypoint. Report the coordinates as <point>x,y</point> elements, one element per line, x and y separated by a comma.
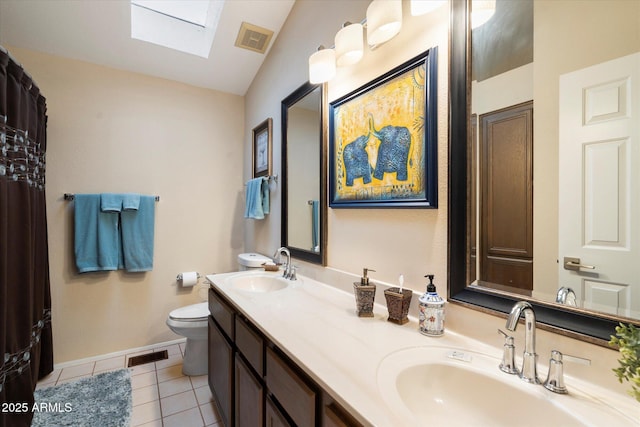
<point>316,325</point>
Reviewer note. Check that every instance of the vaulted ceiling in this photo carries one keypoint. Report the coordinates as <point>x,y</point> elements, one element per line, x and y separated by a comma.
<point>99,31</point>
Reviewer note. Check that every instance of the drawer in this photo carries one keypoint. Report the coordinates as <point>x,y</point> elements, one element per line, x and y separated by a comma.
<point>222,313</point>
<point>249,342</point>
<point>290,390</point>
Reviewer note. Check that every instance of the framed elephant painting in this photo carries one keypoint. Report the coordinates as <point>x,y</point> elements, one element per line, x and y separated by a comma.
<point>383,140</point>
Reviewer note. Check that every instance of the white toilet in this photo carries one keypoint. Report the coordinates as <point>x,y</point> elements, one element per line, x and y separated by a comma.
<point>191,322</point>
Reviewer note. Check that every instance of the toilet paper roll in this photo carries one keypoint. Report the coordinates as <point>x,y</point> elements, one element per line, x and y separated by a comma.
<point>189,278</point>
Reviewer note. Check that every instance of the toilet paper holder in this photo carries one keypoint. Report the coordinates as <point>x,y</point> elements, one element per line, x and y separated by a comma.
<point>179,277</point>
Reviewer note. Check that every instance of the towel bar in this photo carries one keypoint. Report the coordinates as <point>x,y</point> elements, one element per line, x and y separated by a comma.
<point>270,178</point>
<point>70,196</point>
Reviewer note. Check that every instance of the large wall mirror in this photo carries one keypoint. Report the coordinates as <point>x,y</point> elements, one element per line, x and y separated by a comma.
<point>304,211</point>
<point>545,152</point>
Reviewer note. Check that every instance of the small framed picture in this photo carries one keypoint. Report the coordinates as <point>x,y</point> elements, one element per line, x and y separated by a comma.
<point>262,148</point>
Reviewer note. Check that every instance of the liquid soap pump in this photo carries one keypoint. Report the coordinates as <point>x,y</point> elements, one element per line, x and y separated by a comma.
<point>431,311</point>
<point>365,293</point>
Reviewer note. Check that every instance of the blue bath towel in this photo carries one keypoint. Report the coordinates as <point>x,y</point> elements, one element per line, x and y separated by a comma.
<point>137,228</point>
<point>116,202</point>
<point>257,198</point>
<point>97,238</point>
<point>315,225</point>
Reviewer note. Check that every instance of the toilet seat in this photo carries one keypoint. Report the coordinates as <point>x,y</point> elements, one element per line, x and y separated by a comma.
<point>191,313</point>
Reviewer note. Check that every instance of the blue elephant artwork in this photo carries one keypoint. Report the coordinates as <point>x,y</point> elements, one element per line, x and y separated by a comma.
<point>356,160</point>
<point>393,152</point>
<point>383,139</point>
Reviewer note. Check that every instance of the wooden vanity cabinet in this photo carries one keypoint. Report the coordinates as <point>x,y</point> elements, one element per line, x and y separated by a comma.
<point>255,384</point>
<point>221,356</point>
<point>249,382</point>
<point>273,416</point>
<point>249,396</point>
<point>291,390</point>
<point>333,415</point>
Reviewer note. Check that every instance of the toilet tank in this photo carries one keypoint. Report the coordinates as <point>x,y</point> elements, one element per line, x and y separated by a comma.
<point>249,261</point>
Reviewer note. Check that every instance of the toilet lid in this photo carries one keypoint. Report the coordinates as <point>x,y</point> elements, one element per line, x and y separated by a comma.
<point>198,311</point>
<point>252,259</point>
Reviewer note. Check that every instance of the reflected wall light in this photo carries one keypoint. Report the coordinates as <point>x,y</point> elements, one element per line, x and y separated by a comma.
<point>482,11</point>
<point>322,65</point>
<point>349,43</point>
<point>384,20</point>
<point>420,7</point>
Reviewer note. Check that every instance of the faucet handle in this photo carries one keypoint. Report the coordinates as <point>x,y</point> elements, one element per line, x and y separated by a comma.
<point>555,377</point>
<point>508,363</point>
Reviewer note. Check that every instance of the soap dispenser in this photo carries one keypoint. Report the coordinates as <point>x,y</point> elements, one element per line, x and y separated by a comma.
<point>365,294</point>
<point>431,311</point>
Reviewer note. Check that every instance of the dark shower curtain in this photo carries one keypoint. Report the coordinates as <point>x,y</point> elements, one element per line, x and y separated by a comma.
<point>26,350</point>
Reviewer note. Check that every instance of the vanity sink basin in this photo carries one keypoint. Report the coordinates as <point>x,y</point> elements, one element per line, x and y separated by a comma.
<point>447,386</point>
<point>258,283</point>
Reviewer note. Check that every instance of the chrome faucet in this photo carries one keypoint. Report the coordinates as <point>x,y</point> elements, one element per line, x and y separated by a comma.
<point>529,371</point>
<point>287,266</point>
<point>566,296</point>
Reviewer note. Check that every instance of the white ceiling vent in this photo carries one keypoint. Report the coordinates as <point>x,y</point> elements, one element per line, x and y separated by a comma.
<point>253,38</point>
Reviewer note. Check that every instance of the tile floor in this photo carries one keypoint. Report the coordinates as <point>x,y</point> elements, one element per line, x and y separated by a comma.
<point>162,395</point>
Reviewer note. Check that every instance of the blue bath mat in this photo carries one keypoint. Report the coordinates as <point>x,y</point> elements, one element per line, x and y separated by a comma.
<point>103,400</point>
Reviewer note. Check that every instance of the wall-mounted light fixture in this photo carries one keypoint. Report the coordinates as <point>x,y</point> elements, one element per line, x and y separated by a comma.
<point>420,7</point>
<point>349,43</point>
<point>322,65</point>
<point>482,11</point>
<point>384,20</point>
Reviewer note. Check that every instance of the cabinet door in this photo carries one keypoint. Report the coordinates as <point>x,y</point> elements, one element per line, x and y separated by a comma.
<point>249,396</point>
<point>221,372</point>
<point>273,417</point>
<point>333,416</point>
<point>290,390</point>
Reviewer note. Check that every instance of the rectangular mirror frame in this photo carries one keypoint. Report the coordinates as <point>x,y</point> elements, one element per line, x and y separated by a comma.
<point>573,322</point>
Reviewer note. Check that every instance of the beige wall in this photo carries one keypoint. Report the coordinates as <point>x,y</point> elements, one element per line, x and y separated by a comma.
<point>393,241</point>
<point>412,242</point>
<point>115,131</point>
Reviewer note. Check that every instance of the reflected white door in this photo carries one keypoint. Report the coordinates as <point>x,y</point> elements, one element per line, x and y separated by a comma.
<point>599,211</point>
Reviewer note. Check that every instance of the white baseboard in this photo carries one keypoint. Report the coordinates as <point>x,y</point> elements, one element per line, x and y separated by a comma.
<point>118,353</point>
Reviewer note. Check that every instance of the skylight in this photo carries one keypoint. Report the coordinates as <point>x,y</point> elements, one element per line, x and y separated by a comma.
<point>185,25</point>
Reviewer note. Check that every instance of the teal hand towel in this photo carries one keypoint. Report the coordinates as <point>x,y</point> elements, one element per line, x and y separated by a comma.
<point>264,193</point>
<point>116,202</point>
<point>110,202</point>
<point>257,198</point>
<point>137,227</point>
<point>315,225</point>
<point>96,238</point>
<point>130,201</point>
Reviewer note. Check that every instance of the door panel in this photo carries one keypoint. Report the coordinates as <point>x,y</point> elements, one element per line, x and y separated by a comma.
<point>506,146</point>
<point>600,183</point>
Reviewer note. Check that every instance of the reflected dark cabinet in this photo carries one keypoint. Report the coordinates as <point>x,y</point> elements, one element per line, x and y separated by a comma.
<point>506,192</point>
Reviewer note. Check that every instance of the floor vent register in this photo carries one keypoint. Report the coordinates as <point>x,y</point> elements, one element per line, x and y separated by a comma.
<point>148,358</point>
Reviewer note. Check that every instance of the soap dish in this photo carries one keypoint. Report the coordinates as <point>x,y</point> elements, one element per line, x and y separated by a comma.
<point>270,267</point>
